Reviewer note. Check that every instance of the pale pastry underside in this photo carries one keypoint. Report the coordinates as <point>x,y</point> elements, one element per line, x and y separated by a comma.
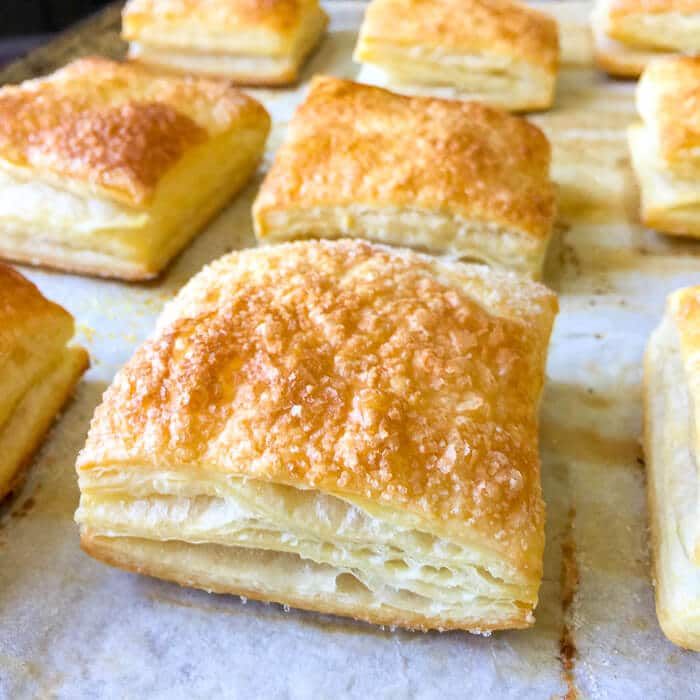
<point>302,548</point>
<point>432,231</point>
<point>670,202</point>
<point>35,410</point>
<point>42,224</point>
<point>499,80</point>
<point>672,487</point>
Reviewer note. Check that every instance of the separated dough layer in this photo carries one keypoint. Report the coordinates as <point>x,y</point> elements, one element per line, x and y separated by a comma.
<point>468,240</point>
<point>384,550</point>
<point>672,487</point>
<point>33,414</point>
<point>253,69</point>
<point>289,579</point>
<point>498,80</point>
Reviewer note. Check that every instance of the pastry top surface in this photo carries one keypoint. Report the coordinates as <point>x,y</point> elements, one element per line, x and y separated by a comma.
<point>114,128</point>
<point>255,26</point>
<point>353,144</point>
<point>355,369</point>
<point>668,99</point>
<point>466,26</point>
<point>623,8</point>
<point>23,310</point>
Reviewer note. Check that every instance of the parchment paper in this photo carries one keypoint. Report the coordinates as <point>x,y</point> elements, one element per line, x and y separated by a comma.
<point>71,627</point>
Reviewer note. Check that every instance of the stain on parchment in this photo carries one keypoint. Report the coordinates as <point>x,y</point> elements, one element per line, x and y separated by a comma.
<point>569,588</point>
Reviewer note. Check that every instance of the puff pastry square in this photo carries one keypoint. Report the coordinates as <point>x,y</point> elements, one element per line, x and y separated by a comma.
<point>337,426</point>
<point>249,42</point>
<point>501,52</point>
<point>672,446</point>
<point>665,145</point>
<point>108,169</point>
<point>629,34</point>
<point>38,370</point>
<point>449,177</point>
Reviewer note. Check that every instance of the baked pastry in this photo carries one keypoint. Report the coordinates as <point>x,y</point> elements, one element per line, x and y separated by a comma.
<point>110,170</point>
<point>497,51</point>
<point>38,370</point>
<point>665,147</point>
<point>671,430</point>
<point>630,33</point>
<point>250,42</point>
<point>450,177</point>
<point>336,426</point>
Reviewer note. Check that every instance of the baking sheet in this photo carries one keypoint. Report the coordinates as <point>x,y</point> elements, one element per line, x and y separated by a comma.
<point>71,627</point>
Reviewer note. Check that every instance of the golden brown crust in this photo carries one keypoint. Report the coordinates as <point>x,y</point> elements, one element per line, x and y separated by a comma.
<point>670,88</point>
<point>23,306</point>
<point>618,65</point>
<point>409,392</point>
<point>111,553</point>
<point>474,161</point>
<point>467,26</point>
<point>114,128</point>
<point>282,17</point>
<point>622,8</point>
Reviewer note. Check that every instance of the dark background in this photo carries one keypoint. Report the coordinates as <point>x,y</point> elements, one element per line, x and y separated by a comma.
<point>26,17</point>
<point>25,24</point>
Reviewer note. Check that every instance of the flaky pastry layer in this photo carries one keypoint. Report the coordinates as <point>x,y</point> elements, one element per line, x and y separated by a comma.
<point>23,430</point>
<point>226,27</point>
<point>247,66</point>
<point>37,370</point>
<point>627,40</point>
<point>289,580</point>
<point>44,225</point>
<point>423,230</point>
<point>94,177</point>
<point>498,28</point>
<point>494,80</point>
<point>321,417</point>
